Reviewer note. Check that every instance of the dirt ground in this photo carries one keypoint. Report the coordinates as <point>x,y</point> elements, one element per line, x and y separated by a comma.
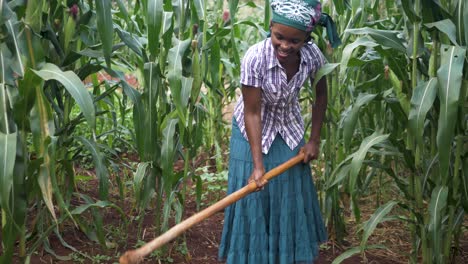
<point>202,241</point>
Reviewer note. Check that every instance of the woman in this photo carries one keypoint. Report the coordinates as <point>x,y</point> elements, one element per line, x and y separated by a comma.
<point>281,223</point>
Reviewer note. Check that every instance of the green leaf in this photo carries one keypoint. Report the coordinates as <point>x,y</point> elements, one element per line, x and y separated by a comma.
<point>7,159</point>
<point>398,89</point>
<point>341,173</point>
<point>349,49</point>
<point>123,9</point>
<point>99,204</point>
<point>350,117</point>
<point>267,15</point>
<point>154,20</point>
<point>5,12</point>
<point>356,164</point>
<point>353,251</point>
<point>410,12</point>
<point>197,75</point>
<point>422,100</point>
<point>450,76</point>
<point>175,56</point>
<point>74,86</point>
<point>464,29</point>
<point>168,148</point>
<point>323,71</point>
<point>101,169</point>
<point>386,38</point>
<point>464,188</point>
<point>130,40</point>
<point>233,4</point>
<point>138,177</point>
<point>447,27</point>
<point>147,135</point>
<point>200,8</point>
<point>33,16</point>
<point>105,27</point>
<point>42,127</point>
<point>436,207</point>
<point>178,91</point>
<point>375,219</point>
<point>16,42</point>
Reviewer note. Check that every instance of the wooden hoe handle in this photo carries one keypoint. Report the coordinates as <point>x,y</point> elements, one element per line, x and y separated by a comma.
<point>137,255</point>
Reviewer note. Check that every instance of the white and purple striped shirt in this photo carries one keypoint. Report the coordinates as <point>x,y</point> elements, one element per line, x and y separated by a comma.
<point>280,111</point>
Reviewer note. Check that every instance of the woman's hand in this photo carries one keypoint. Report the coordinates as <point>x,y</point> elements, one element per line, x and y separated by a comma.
<point>256,176</point>
<point>311,150</point>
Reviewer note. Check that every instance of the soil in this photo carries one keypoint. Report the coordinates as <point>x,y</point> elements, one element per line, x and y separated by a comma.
<point>202,240</point>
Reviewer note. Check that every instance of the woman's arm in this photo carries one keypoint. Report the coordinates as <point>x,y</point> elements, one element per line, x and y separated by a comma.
<point>311,149</point>
<point>253,125</point>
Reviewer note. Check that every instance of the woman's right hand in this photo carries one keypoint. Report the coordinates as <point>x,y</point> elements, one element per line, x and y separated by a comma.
<point>256,176</point>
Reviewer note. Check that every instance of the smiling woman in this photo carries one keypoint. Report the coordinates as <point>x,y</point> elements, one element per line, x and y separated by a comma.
<point>281,222</point>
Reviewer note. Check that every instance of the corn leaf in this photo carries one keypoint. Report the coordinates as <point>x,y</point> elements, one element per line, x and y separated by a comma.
<point>422,100</point>
<point>197,75</point>
<point>130,40</point>
<point>461,21</point>
<point>7,159</point>
<point>16,42</point>
<point>386,38</point>
<point>464,190</point>
<point>351,116</point>
<point>168,150</point>
<point>5,11</point>
<point>4,100</point>
<point>123,9</point>
<point>410,12</point>
<point>353,251</point>
<point>154,20</point>
<point>450,80</point>
<point>33,16</point>
<point>356,164</point>
<point>149,128</point>
<point>233,4</point>
<point>437,206</point>
<point>340,174</point>
<point>375,219</point>
<point>267,15</point>
<point>105,27</point>
<point>99,204</point>
<point>42,127</point>
<point>178,92</point>
<point>138,177</point>
<point>323,71</point>
<point>447,27</point>
<point>74,86</point>
<point>101,169</point>
<point>349,49</point>
<point>200,8</point>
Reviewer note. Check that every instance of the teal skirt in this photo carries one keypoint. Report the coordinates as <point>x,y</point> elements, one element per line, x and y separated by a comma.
<point>281,224</point>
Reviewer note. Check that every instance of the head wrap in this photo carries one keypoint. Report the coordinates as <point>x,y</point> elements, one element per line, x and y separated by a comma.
<point>304,15</point>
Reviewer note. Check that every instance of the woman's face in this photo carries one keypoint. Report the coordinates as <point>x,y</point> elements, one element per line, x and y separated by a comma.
<point>287,41</point>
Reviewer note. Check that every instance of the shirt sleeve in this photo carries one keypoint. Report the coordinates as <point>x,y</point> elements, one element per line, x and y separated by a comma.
<point>251,74</point>
<point>317,58</point>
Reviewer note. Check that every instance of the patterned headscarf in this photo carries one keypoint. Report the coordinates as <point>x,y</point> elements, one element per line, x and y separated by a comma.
<point>304,15</point>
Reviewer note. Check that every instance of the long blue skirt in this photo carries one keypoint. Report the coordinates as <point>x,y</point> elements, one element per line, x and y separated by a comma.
<point>281,224</point>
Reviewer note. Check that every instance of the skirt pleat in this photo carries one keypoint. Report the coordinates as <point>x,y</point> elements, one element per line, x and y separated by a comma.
<point>281,224</point>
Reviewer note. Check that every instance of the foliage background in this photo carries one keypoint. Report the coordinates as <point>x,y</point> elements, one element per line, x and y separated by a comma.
<point>396,120</point>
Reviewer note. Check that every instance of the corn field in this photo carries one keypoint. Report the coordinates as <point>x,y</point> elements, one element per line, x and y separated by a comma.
<point>397,116</point>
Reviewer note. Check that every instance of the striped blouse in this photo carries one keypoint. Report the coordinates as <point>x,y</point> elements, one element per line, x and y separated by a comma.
<point>280,110</point>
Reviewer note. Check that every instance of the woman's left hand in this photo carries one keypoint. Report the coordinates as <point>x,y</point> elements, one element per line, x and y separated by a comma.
<point>311,151</point>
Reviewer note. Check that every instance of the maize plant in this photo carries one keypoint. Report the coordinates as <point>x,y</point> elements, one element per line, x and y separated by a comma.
<point>398,109</point>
